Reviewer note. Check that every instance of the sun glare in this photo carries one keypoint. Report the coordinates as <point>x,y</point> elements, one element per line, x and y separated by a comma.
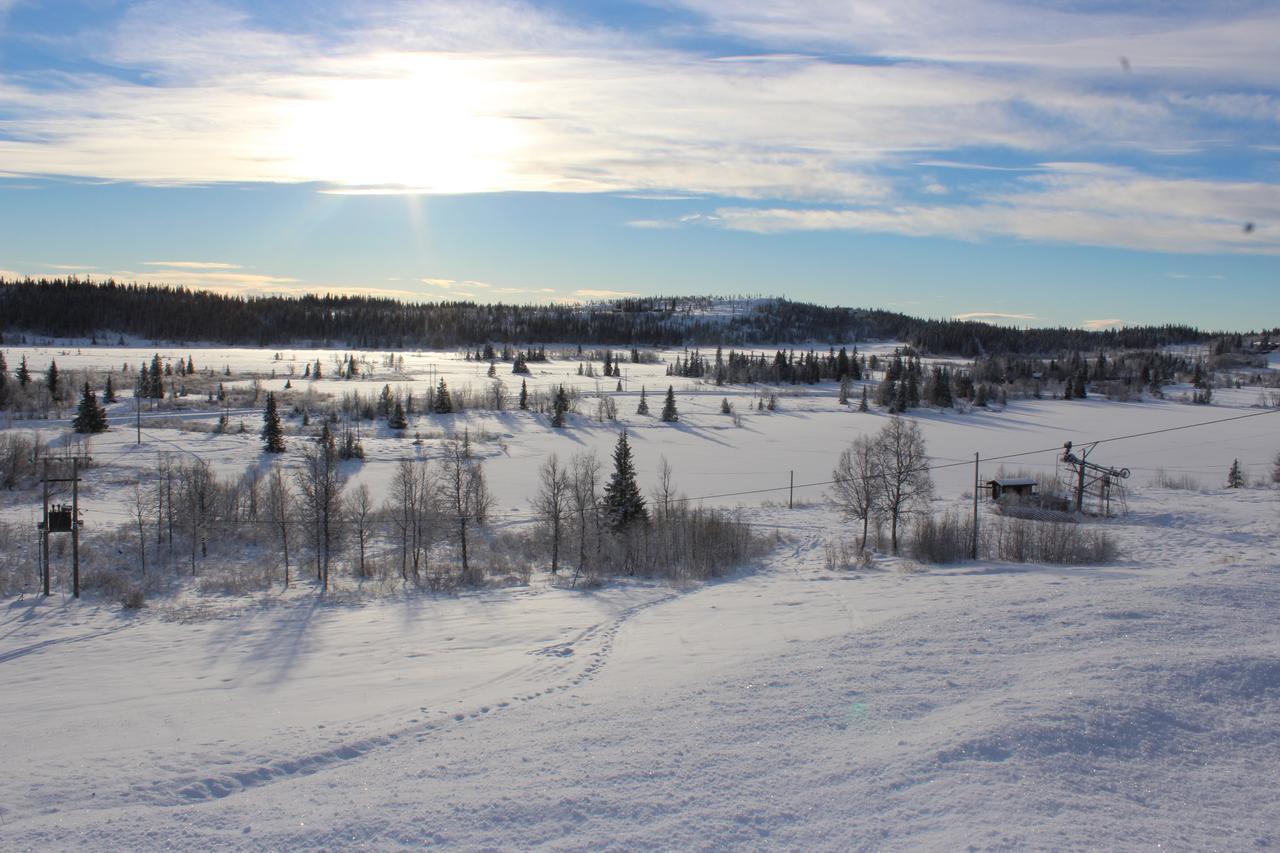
<point>429,124</point>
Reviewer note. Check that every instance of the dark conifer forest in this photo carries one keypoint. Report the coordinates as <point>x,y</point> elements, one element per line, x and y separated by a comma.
<point>71,307</point>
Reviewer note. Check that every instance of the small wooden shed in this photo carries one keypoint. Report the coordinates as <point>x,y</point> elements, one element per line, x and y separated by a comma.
<point>1012,488</point>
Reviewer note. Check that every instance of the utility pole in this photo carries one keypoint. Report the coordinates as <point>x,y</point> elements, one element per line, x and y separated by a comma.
<point>193,525</point>
<point>974,553</point>
<point>1084,454</point>
<point>75,526</point>
<point>44,527</point>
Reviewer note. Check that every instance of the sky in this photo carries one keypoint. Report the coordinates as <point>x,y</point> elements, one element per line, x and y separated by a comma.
<point>1062,162</point>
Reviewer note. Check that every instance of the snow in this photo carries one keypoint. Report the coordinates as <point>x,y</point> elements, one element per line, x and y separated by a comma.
<point>896,707</point>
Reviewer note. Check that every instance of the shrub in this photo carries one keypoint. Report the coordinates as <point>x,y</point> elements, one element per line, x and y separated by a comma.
<point>941,539</point>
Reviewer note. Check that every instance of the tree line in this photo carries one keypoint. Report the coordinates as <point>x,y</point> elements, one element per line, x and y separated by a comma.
<point>72,307</point>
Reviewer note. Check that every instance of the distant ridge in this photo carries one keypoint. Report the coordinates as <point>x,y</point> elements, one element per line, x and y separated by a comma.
<point>72,307</point>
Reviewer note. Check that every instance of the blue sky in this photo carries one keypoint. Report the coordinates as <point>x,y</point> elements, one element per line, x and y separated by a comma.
<point>1052,163</point>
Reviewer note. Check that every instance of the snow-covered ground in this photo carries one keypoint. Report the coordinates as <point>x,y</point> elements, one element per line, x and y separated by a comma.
<point>1130,705</point>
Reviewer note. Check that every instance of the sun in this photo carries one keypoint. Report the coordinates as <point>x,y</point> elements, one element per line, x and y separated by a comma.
<point>396,123</point>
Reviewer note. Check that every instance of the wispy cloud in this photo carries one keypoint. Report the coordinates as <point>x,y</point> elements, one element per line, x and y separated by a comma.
<point>1080,203</point>
<point>452,284</point>
<point>1097,325</point>
<point>589,293</point>
<point>191,265</point>
<point>221,280</point>
<point>994,316</point>
<point>508,96</point>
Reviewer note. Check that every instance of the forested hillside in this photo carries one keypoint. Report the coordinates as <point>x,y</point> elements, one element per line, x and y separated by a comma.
<point>77,308</point>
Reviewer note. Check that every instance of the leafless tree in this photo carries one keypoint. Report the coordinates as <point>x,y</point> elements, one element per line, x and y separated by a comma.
<point>280,507</point>
<point>552,502</point>
<point>857,482</point>
<point>583,493</point>
<point>901,468</point>
<point>320,485</point>
<point>464,494</point>
<point>664,492</point>
<point>139,510</point>
<point>413,509</point>
<point>360,511</point>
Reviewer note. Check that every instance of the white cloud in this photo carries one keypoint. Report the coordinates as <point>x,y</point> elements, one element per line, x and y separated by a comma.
<point>508,97</point>
<point>221,280</point>
<point>1096,325</point>
<point>589,293</point>
<point>994,315</point>
<point>192,265</point>
<point>1076,203</point>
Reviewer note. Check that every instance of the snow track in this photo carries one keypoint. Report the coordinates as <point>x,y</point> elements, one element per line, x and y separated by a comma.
<point>991,706</point>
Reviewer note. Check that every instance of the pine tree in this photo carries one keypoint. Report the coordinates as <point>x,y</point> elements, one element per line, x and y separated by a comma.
<point>669,413</point>
<point>643,408</point>
<point>397,419</point>
<point>443,402</point>
<point>109,392</point>
<point>385,401</point>
<point>862,406</point>
<point>22,373</point>
<point>524,395</point>
<point>1235,477</point>
<point>519,366</point>
<point>623,503</point>
<point>272,432</point>
<point>90,417</point>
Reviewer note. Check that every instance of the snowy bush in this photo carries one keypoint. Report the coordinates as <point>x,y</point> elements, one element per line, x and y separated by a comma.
<point>942,539</point>
<point>1023,540</point>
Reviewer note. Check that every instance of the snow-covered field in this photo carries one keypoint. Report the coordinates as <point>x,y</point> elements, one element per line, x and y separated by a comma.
<point>1124,706</point>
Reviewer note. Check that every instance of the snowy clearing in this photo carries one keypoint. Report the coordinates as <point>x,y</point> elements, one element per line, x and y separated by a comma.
<point>1007,706</point>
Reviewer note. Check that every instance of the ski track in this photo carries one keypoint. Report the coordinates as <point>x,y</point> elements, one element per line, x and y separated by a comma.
<point>593,644</point>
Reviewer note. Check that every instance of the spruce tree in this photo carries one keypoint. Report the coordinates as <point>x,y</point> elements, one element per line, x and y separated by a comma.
<point>524,395</point>
<point>397,419</point>
<point>1235,477</point>
<point>643,408</point>
<point>109,393</point>
<point>559,407</point>
<point>90,417</point>
<point>51,379</point>
<point>669,413</point>
<point>272,432</point>
<point>443,402</point>
<point>862,406</point>
<point>22,373</point>
<point>623,503</point>
<point>4,380</point>
<point>155,379</point>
